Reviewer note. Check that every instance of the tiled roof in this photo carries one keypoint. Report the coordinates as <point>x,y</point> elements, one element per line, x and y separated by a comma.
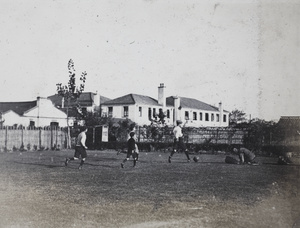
<point>17,107</point>
<point>290,121</point>
<point>85,99</point>
<point>192,103</point>
<point>132,99</point>
<point>103,99</point>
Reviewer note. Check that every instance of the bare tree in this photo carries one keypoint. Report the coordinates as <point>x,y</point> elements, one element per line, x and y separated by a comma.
<point>71,92</point>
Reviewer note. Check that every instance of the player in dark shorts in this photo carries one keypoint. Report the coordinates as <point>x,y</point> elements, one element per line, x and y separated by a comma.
<point>131,147</point>
<point>80,148</point>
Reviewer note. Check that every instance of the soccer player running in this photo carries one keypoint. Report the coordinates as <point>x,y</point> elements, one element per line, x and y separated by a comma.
<point>131,150</point>
<point>80,148</point>
<point>178,141</point>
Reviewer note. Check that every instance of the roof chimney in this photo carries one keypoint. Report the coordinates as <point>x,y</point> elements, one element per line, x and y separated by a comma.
<point>177,115</point>
<point>96,97</point>
<point>221,112</point>
<point>161,95</point>
<point>62,102</point>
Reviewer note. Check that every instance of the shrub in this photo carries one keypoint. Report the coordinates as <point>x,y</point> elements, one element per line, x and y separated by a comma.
<point>28,146</point>
<point>22,148</point>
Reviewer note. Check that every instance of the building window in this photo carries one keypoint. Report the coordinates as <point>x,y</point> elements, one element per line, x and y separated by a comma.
<point>218,117</point>
<point>168,114</point>
<point>149,114</point>
<point>54,125</point>
<point>110,111</point>
<point>194,116</point>
<point>125,111</point>
<point>140,111</point>
<point>212,117</point>
<point>201,116</point>
<point>186,115</point>
<point>31,123</point>
<point>206,117</point>
<point>224,118</point>
<point>154,112</point>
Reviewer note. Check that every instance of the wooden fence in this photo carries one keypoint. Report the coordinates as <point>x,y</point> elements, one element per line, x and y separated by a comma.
<point>32,139</point>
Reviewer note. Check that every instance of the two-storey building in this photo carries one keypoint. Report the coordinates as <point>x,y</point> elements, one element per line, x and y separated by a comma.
<point>143,109</point>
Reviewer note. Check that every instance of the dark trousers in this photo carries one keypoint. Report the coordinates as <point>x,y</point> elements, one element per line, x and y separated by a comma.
<point>179,144</point>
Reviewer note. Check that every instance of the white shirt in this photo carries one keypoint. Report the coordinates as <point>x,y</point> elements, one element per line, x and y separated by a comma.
<point>177,132</point>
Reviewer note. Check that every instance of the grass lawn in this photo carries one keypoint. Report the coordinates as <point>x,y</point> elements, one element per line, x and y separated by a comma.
<point>37,190</point>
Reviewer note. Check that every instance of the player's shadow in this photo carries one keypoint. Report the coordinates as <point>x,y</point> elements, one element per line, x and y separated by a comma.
<point>97,165</point>
<point>38,164</point>
<point>103,159</point>
<point>272,163</point>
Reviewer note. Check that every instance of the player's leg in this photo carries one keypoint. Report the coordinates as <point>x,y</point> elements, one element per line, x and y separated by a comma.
<point>134,156</point>
<point>137,156</point>
<point>129,153</point>
<point>76,156</point>
<point>183,147</point>
<point>81,163</point>
<point>83,157</point>
<point>175,146</point>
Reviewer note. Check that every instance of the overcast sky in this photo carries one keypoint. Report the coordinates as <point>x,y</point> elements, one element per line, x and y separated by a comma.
<point>246,55</point>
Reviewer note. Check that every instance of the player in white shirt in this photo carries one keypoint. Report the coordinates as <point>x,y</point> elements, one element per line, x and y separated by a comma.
<point>178,141</point>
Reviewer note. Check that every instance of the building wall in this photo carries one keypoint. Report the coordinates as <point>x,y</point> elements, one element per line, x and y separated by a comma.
<point>45,113</point>
<point>191,122</point>
<point>134,115</point>
<point>11,118</point>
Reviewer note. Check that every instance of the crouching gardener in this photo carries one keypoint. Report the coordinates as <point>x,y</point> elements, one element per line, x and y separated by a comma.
<point>80,148</point>
<point>245,157</point>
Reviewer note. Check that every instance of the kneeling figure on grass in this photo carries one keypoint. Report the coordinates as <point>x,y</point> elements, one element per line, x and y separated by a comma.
<point>285,158</point>
<point>245,157</point>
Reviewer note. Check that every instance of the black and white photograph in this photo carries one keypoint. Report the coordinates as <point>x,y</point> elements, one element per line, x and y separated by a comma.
<point>150,114</point>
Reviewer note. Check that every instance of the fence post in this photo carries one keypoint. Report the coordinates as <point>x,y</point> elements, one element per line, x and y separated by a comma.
<point>61,139</point>
<point>40,137</point>
<point>5,148</point>
<point>22,144</point>
<point>94,131</point>
<point>56,132</point>
<point>139,131</point>
<point>51,137</point>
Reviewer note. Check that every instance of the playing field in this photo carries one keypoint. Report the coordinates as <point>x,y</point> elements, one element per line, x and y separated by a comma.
<point>37,190</point>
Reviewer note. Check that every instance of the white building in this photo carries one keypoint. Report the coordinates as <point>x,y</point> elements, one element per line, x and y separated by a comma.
<point>37,113</point>
<point>143,109</point>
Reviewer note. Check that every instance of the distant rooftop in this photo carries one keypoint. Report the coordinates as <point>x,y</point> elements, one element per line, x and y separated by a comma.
<point>86,99</point>
<point>17,107</point>
<point>132,99</point>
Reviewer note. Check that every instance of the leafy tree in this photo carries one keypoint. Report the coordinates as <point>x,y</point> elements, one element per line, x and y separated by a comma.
<point>71,92</point>
<point>94,118</point>
<point>237,117</point>
<point>259,133</point>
